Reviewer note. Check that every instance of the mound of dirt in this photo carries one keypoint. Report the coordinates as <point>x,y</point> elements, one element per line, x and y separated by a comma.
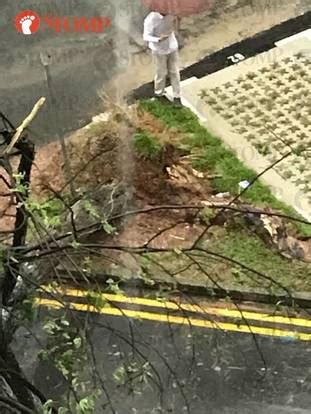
<point>105,153</point>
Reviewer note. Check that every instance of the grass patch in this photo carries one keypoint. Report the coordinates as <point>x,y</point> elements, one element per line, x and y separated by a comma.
<point>244,248</point>
<point>252,252</point>
<point>147,146</point>
<point>217,158</point>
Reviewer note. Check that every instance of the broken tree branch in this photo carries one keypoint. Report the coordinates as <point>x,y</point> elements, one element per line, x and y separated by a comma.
<point>25,124</point>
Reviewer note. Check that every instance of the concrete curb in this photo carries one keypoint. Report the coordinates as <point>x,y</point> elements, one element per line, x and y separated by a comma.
<point>132,285</point>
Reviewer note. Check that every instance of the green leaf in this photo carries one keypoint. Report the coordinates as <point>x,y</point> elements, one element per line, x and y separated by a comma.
<point>75,244</point>
<point>91,209</point>
<point>120,375</point>
<point>87,405</point>
<point>108,227</point>
<point>77,342</point>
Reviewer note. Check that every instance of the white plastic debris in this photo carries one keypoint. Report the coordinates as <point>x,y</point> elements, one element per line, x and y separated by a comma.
<point>244,184</point>
<point>222,195</point>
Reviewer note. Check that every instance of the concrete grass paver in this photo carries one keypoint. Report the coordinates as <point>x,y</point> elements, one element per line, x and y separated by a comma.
<point>261,108</point>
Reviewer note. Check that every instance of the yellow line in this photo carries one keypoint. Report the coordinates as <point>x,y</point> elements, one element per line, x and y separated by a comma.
<point>231,313</point>
<point>176,319</point>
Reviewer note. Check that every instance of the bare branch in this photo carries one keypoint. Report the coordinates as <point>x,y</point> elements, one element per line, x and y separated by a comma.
<point>25,124</point>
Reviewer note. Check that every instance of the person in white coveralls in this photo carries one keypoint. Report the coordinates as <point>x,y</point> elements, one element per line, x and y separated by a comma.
<point>159,32</point>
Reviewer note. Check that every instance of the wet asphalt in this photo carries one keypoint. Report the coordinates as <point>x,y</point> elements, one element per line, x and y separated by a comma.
<point>193,370</point>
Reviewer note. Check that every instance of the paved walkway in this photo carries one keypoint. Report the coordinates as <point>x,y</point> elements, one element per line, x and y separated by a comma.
<point>260,108</point>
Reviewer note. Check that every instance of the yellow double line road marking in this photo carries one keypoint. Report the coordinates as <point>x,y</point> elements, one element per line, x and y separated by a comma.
<point>185,320</point>
<point>169,305</point>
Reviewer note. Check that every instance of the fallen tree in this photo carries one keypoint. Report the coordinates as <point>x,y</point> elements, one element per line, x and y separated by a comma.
<point>54,251</point>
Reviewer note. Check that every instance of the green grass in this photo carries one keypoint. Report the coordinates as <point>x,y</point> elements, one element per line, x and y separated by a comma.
<point>215,157</point>
<point>245,248</point>
<point>252,252</point>
<point>147,146</point>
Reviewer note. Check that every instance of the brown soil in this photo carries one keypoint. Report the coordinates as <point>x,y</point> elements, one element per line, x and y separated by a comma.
<point>156,128</point>
<point>166,180</point>
<point>46,173</point>
<point>47,170</point>
<point>103,153</point>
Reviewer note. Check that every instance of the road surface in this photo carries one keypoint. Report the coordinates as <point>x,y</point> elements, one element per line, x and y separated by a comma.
<point>229,362</point>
